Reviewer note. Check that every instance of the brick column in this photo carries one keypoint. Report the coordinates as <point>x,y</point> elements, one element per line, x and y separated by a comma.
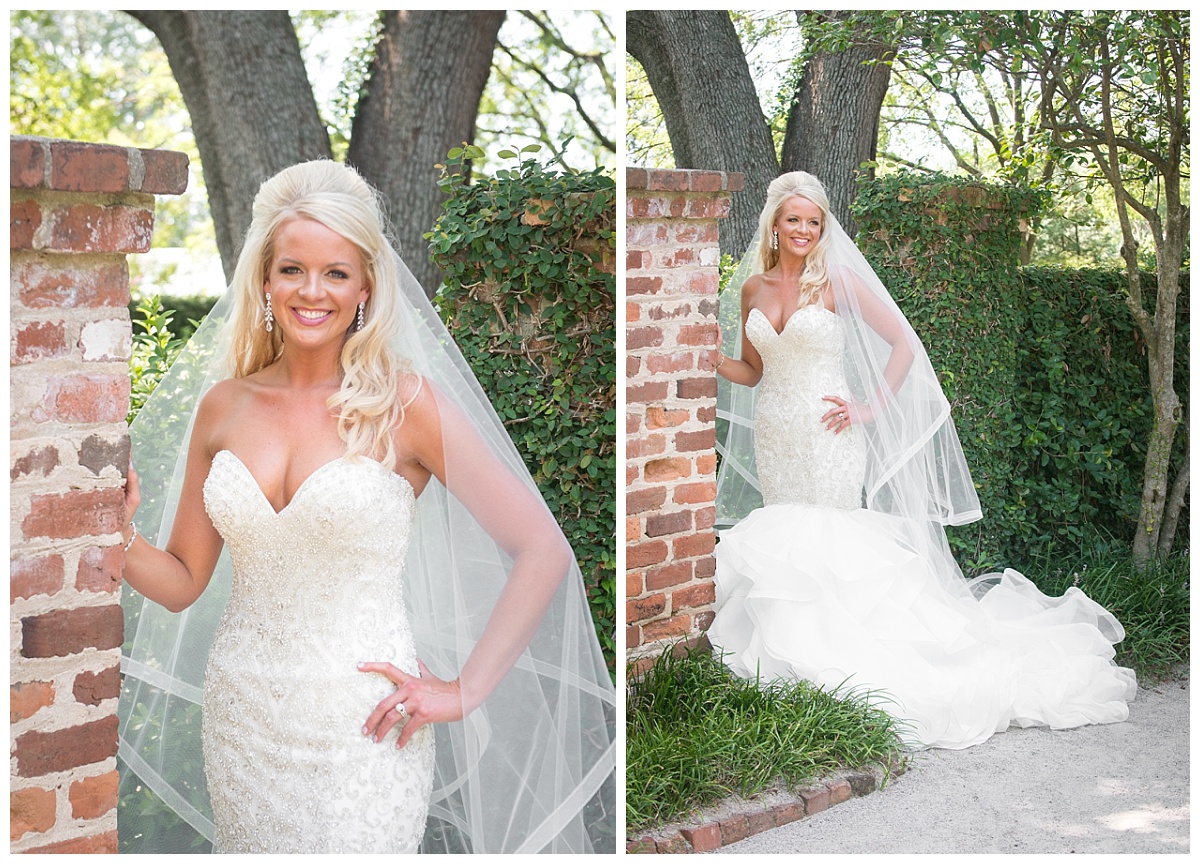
<point>76,211</point>
<point>671,265</point>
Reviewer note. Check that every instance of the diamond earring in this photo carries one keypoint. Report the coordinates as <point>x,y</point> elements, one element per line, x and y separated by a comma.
<point>774,239</point>
<point>361,322</point>
<point>270,314</point>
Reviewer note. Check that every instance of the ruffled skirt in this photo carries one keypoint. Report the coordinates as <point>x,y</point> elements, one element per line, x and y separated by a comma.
<point>860,600</point>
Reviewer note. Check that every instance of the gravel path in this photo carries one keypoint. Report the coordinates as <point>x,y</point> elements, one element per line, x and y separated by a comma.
<point>1123,787</point>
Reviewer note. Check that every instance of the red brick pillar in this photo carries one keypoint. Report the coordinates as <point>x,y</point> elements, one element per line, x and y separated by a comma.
<point>671,266</point>
<point>76,211</point>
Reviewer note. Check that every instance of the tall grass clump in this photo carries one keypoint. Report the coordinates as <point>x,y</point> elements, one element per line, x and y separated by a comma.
<point>1152,602</point>
<point>696,734</point>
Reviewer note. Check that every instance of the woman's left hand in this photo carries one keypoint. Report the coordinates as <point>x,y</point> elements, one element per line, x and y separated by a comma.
<point>844,413</point>
<point>418,701</point>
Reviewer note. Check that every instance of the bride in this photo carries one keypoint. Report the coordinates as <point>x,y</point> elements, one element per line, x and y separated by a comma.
<point>848,465</point>
<point>398,654</point>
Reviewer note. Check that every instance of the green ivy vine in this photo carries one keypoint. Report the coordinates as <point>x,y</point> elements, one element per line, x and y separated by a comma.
<point>528,293</point>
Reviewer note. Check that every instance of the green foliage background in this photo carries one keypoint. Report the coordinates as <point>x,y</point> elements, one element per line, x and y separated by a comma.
<point>527,258</point>
<point>1046,375</point>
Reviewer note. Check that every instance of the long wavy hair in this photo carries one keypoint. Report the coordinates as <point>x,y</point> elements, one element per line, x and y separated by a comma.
<point>803,185</point>
<point>370,404</point>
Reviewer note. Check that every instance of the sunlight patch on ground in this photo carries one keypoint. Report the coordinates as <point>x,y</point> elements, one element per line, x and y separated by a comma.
<point>1144,819</point>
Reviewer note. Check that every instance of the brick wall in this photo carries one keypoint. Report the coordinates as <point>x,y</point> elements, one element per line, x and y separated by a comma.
<point>671,269</point>
<point>76,210</point>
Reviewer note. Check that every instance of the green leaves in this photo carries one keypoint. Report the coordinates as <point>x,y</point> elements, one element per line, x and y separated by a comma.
<point>529,295</point>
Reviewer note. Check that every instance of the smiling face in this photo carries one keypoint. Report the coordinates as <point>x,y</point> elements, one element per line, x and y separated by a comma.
<point>799,223</point>
<point>316,278</point>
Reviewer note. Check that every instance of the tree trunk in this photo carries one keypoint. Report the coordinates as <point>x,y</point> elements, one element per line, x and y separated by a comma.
<point>252,108</point>
<point>698,71</point>
<point>420,99</point>
<point>833,125</point>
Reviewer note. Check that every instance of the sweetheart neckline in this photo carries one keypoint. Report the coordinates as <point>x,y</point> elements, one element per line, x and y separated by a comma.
<point>798,310</point>
<point>344,458</point>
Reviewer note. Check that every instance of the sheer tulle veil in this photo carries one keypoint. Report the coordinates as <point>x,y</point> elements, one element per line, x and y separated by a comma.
<point>916,470</point>
<point>531,770</point>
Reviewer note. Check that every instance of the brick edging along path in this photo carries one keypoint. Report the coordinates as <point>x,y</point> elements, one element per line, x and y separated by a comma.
<point>736,819</point>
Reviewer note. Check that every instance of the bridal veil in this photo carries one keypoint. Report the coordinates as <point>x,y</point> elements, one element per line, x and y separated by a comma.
<point>531,770</point>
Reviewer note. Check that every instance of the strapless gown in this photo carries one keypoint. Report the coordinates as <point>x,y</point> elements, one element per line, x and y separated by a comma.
<point>813,586</point>
<point>316,589</point>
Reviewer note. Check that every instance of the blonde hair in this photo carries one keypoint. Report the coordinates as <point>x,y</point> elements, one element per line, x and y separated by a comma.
<point>799,184</point>
<point>369,404</point>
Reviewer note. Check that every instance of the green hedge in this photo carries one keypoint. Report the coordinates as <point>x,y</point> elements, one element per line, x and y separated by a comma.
<point>1046,376</point>
<point>529,294</point>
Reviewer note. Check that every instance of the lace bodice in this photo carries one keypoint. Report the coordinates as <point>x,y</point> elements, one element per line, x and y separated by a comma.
<point>316,589</point>
<point>798,460</point>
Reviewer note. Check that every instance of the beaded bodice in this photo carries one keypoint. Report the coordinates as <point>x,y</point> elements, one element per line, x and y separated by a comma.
<point>798,460</point>
<point>316,589</point>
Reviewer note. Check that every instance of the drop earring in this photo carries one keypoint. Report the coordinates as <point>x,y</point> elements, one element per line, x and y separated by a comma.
<point>361,321</point>
<point>270,314</point>
<point>774,239</point>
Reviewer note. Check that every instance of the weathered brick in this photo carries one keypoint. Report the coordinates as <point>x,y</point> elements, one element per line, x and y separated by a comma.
<point>63,632</point>
<point>862,782</point>
<point>29,577</point>
<point>643,285</point>
<point>31,809</point>
<point>79,167</point>
<point>674,844</point>
<point>695,493</point>
<point>643,608</point>
<point>696,388</point>
<point>654,391</point>
<point>816,799</point>
<point>100,228</point>
<point>81,513</point>
<point>646,554</point>
<point>733,829</point>
<point>759,821</point>
<point>40,460</point>
<point>92,797</point>
<point>165,172</point>
<point>641,846</point>
<point>26,163</point>
<point>782,814</point>
<point>24,220</point>
<point>666,575</point>
<point>635,584</point>
<point>41,340</point>
<point>666,469</point>
<point>703,594</point>
<point>645,499</point>
<point>693,546</point>
<point>650,445</point>
<point>643,337</point>
<point>705,838</point>
<point>704,439</point>
<point>85,399</point>
<point>107,340</point>
<point>839,791</point>
<point>39,753</point>
<point>679,361</point>
<point>45,284</point>
<point>670,628</point>
<point>658,417</point>
<point>92,688</point>
<point>661,524</point>
<point>26,698</point>
<point>98,452</point>
<point>105,844</point>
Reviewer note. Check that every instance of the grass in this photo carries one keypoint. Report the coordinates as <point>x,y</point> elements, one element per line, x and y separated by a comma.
<point>696,734</point>
<point>1152,603</point>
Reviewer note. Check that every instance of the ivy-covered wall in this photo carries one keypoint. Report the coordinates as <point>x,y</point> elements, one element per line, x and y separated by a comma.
<point>529,295</point>
<point>1043,369</point>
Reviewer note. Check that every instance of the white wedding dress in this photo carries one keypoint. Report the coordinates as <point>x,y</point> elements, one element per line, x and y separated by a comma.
<point>317,588</point>
<point>813,586</point>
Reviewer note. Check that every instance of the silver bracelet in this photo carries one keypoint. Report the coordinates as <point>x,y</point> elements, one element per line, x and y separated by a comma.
<point>132,536</point>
